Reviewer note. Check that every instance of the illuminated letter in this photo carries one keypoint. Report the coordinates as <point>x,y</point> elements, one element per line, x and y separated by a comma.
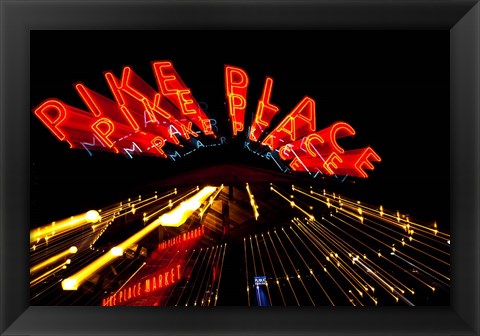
<point>147,285</point>
<point>295,125</point>
<point>104,133</point>
<point>184,101</point>
<point>368,154</point>
<point>163,78</point>
<point>207,126</point>
<point>330,162</point>
<point>345,129</point>
<point>188,129</point>
<point>43,112</point>
<point>308,141</point>
<point>158,143</point>
<point>176,154</point>
<point>236,84</point>
<point>265,112</point>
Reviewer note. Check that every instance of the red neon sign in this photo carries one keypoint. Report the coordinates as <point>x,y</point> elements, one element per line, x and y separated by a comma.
<point>142,121</point>
<point>185,237</point>
<point>146,286</point>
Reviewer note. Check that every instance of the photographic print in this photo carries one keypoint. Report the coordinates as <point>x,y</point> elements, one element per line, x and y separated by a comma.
<point>239,168</point>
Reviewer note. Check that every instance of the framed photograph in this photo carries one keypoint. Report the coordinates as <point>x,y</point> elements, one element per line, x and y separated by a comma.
<point>240,167</point>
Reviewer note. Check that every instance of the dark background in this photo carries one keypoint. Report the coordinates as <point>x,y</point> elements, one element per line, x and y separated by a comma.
<point>391,86</point>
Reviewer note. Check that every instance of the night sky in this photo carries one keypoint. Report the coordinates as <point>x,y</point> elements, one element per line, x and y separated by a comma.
<point>391,86</point>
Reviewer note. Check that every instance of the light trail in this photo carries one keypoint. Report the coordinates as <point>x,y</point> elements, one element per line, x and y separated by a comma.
<point>178,282</point>
<point>48,273</point>
<point>64,225</point>
<point>283,267</point>
<point>299,277</point>
<point>374,252</point>
<point>207,251</point>
<point>74,281</point>
<point>210,261</point>
<point>130,278</point>
<point>187,280</point>
<point>292,203</point>
<point>51,260</point>
<point>332,257</point>
<point>254,270</point>
<point>274,272</point>
<point>246,270</point>
<point>263,270</point>
<point>220,276</point>
<point>321,249</point>
<point>252,202</point>
<point>210,202</point>
<point>382,214</point>
<point>387,246</point>
<point>212,277</point>
<point>308,267</point>
<point>420,269</point>
<point>181,213</point>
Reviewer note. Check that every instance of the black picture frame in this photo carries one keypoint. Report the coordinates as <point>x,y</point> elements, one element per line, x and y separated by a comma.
<point>461,18</point>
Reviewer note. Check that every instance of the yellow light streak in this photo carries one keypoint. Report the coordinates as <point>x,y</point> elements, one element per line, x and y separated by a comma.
<point>295,268</point>
<point>388,260</point>
<point>188,280</point>
<point>263,269</point>
<point>64,225</point>
<point>210,202</point>
<point>274,272</point>
<point>74,281</point>
<point>51,260</point>
<point>46,274</point>
<point>220,276</point>
<point>181,213</point>
<point>343,270</point>
<point>246,269</point>
<point>284,271</point>
<point>211,257</point>
<point>311,271</point>
<point>391,218</point>
<point>292,203</point>
<point>252,202</point>
<point>130,278</point>
<point>379,254</point>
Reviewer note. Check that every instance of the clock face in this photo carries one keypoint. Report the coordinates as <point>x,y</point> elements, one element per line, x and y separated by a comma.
<point>200,168</point>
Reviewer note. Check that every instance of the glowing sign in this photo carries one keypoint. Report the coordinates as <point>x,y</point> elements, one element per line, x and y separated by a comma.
<point>187,236</point>
<point>149,285</point>
<point>139,118</point>
<point>144,121</point>
<point>260,280</point>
